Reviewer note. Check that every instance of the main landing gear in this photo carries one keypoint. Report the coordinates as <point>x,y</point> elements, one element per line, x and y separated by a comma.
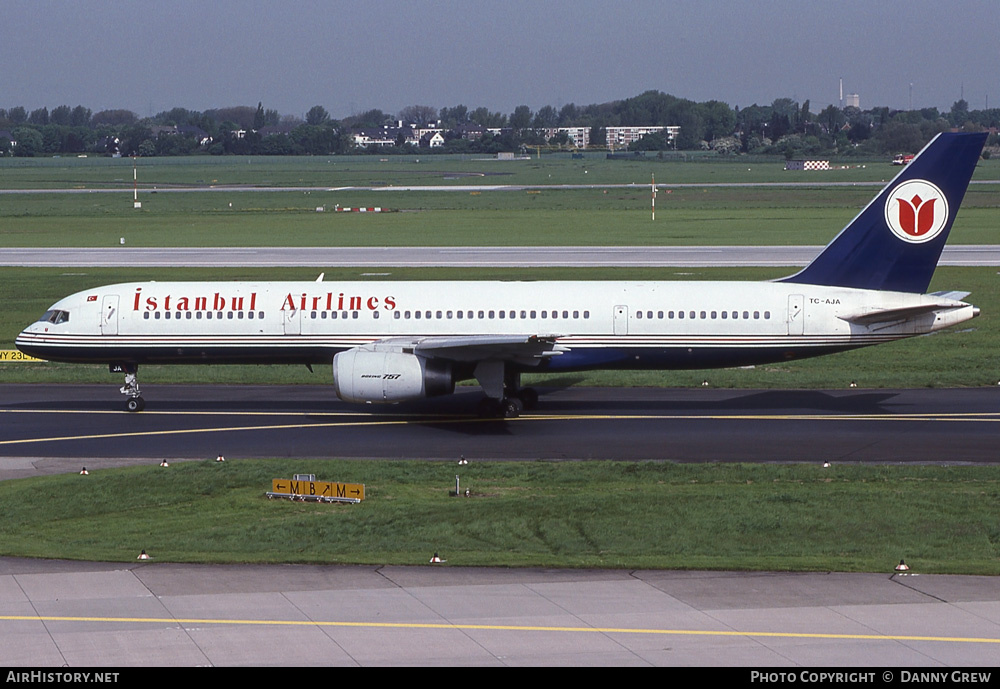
<point>131,387</point>
<point>509,407</point>
<point>505,398</point>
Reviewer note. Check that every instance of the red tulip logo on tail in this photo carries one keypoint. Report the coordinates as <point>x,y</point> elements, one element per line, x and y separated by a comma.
<point>916,211</point>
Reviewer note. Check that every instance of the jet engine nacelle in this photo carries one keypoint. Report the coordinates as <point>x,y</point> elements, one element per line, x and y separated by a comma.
<point>363,375</point>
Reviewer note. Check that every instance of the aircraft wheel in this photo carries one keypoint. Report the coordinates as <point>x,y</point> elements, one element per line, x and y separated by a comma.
<point>512,407</point>
<point>135,404</point>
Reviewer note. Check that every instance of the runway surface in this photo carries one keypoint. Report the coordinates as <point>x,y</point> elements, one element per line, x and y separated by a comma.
<point>60,425</point>
<point>452,256</point>
<point>146,189</point>
<point>118,616</point>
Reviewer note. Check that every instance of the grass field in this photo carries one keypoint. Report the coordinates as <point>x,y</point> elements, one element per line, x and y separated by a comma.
<point>599,216</point>
<point>600,514</point>
<point>341,171</point>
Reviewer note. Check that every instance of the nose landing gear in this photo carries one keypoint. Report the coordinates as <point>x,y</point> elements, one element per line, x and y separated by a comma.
<point>131,387</point>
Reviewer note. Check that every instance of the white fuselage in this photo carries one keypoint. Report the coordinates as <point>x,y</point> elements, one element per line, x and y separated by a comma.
<point>613,324</point>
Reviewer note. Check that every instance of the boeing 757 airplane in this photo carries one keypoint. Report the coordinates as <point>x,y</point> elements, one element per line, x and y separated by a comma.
<point>396,341</point>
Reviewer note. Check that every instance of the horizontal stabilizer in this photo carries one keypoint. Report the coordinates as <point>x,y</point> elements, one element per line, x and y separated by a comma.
<point>956,295</point>
<point>900,314</point>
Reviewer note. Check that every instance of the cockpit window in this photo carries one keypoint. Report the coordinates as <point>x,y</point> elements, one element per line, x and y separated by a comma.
<point>54,316</point>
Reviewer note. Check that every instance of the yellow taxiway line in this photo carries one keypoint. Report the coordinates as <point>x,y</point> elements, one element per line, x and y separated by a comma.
<point>500,627</point>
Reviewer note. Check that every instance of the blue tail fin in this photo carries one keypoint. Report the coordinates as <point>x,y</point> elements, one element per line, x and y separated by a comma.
<point>895,242</point>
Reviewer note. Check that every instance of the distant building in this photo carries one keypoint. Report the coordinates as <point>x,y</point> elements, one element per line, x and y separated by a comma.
<point>197,133</point>
<point>158,130</point>
<point>470,131</point>
<point>420,131</point>
<point>432,139</point>
<point>374,138</point>
<point>580,136</point>
<point>622,137</point>
<point>384,137</point>
<point>852,100</point>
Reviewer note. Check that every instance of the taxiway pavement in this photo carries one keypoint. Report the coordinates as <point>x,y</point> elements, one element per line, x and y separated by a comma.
<point>61,425</point>
<point>78,614</point>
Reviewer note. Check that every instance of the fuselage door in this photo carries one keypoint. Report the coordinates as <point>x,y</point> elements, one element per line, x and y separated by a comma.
<point>292,321</point>
<point>109,314</point>
<point>621,320</point>
<point>796,317</point>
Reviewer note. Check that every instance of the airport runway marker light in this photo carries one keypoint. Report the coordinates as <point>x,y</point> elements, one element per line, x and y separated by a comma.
<point>902,567</point>
<point>84,472</point>
<point>143,556</point>
<point>437,559</point>
<point>220,458</point>
<point>164,463</point>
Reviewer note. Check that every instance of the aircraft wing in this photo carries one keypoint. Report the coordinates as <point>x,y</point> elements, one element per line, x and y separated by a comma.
<point>491,347</point>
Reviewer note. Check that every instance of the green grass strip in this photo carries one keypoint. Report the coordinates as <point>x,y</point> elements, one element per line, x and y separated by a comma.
<point>548,514</point>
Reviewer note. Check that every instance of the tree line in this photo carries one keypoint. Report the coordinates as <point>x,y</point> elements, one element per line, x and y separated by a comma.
<point>785,127</point>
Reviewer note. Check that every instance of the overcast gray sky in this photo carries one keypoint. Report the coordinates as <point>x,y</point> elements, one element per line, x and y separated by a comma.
<point>354,56</point>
